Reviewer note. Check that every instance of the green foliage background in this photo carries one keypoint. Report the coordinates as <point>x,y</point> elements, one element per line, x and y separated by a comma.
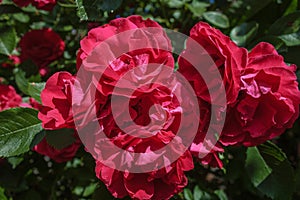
<point>269,171</point>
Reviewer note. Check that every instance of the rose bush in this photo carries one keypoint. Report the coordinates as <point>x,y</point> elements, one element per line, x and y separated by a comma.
<point>104,75</point>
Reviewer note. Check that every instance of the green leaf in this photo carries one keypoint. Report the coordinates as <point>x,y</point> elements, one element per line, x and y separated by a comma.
<point>197,8</point>
<point>8,41</point>
<point>2,195</point>
<point>271,149</point>
<point>78,190</point>
<point>60,138</point>
<point>38,138</point>
<point>175,3</point>
<point>244,33</point>
<point>18,126</point>
<point>217,19</point>
<point>256,167</point>
<point>35,89</point>
<point>21,81</point>
<point>221,194</point>
<point>286,24</point>
<point>93,9</point>
<point>89,190</point>
<point>38,25</point>
<point>270,171</point>
<point>108,5</point>
<point>7,2</point>
<point>292,39</point>
<point>197,193</point>
<point>15,161</point>
<point>292,7</point>
<point>187,193</point>
<point>21,17</point>
<point>32,89</point>
<point>81,10</point>
<point>30,9</point>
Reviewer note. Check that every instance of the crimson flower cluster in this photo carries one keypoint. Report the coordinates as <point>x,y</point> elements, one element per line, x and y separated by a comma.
<point>262,99</point>
<point>261,93</point>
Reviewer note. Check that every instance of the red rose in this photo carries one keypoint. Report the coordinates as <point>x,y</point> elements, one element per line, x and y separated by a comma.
<point>22,3</point>
<point>56,112</point>
<point>128,60</point>
<point>44,4</point>
<point>156,185</point>
<point>97,35</point>
<point>151,105</point>
<point>228,59</point>
<point>40,4</point>
<point>268,102</point>
<point>8,97</point>
<point>58,155</point>
<point>41,46</point>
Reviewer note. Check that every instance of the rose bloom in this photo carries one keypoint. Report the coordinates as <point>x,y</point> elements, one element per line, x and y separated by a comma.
<point>22,3</point>
<point>226,55</point>
<point>58,155</point>
<point>56,112</point>
<point>159,183</point>
<point>40,4</point>
<point>226,60</point>
<point>47,5</point>
<point>41,46</point>
<point>268,102</point>
<point>97,35</point>
<point>8,97</point>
